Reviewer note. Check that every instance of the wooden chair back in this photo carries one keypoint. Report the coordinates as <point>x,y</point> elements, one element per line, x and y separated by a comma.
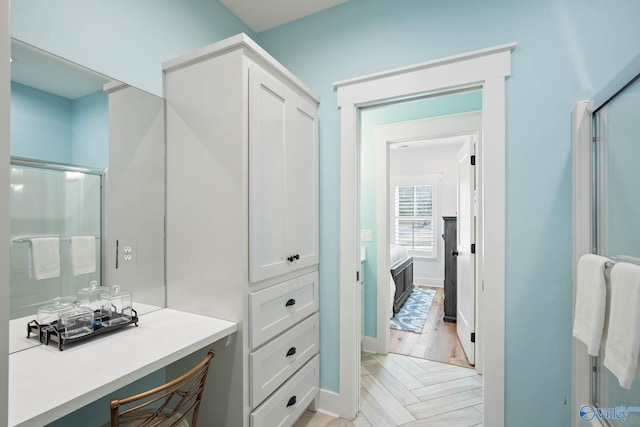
<point>168,405</point>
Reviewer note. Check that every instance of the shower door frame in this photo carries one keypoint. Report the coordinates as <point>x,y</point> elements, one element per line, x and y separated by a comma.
<point>64,167</point>
<point>584,217</point>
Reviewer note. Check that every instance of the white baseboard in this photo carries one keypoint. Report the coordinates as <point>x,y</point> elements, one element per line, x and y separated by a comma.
<point>332,403</point>
<point>371,345</point>
<point>428,281</point>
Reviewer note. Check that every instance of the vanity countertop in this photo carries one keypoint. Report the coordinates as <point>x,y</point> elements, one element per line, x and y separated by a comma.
<point>46,384</point>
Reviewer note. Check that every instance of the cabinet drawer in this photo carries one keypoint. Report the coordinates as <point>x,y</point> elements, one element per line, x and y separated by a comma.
<point>287,404</point>
<point>275,309</point>
<point>272,364</point>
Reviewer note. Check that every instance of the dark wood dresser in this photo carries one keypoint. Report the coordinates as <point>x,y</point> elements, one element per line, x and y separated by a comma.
<point>450,267</point>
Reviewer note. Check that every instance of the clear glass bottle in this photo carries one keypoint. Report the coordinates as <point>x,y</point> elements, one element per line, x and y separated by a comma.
<point>50,314</point>
<point>116,306</point>
<point>76,321</point>
<point>90,297</point>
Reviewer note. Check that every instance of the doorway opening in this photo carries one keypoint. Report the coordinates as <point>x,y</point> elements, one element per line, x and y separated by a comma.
<point>409,186</point>
<point>486,68</point>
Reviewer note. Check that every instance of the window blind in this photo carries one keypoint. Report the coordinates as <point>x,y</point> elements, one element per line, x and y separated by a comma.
<point>414,221</point>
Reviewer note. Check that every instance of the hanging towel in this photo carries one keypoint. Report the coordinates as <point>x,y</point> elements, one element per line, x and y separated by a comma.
<point>43,258</point>
<point>591,300</point>
<point>83,255</point>
<point>623,333</point>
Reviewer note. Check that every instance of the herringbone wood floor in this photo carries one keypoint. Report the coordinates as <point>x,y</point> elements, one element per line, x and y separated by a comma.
<point>398,390</point>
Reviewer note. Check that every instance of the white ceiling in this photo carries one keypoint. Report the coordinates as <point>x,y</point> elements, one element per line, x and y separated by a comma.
<point>262,15</point>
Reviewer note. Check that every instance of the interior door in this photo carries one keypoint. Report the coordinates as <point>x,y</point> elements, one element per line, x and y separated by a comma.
<point>465,323</point>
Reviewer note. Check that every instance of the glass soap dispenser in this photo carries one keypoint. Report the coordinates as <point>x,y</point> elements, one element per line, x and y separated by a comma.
<point>116,306</point>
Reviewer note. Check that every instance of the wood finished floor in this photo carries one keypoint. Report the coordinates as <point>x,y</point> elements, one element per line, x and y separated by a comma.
<point>438,340</point>
<point>398,390</point>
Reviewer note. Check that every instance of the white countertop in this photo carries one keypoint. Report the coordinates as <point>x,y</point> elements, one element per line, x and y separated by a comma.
<point>46,384</point>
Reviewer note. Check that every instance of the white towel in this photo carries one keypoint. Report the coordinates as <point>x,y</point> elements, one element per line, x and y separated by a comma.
<point>43,258</point>
<point>623,333</point>
<point>83,255</point>
<point>591,300</point>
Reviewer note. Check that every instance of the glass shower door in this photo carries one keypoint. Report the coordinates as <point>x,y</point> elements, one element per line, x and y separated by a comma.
<point>617,219</point>
<point>51,200</point>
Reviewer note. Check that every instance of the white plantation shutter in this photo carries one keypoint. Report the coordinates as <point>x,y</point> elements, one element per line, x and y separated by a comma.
<point>414,217</point>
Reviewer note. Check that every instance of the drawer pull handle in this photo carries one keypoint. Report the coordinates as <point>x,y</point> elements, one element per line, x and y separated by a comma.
<point>291,401</point>
<point>290,303</point>
<point>291,351</point>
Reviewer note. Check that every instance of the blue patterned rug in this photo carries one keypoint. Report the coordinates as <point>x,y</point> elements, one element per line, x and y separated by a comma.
<point>413,313</point>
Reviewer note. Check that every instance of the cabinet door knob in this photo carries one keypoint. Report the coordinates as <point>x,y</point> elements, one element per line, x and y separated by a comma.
<point>291,258</point>
<point>296,256</point>
<point>291,401</point>
<point>291,351</point>
<point>290,302</point>
<point>455,253</point>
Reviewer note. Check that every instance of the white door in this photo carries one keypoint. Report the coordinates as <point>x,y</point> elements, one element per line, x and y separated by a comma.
<point>267,176</point>
<point>465,319</point>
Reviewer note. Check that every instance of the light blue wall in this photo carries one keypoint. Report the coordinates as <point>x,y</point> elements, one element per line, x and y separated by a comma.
<point>40,124</point>
<point>53,128</point>
<point>90,130</point>
<point>410,110</point>
<point>123,39</point>
<point>560,59</point>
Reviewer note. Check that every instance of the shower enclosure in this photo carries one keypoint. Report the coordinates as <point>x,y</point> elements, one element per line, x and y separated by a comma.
<point>606,217</point>
<point>50,199</point>
<point>616,217</point>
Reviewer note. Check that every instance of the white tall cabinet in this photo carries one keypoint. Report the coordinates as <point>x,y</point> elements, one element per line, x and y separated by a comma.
<point>242,226</point>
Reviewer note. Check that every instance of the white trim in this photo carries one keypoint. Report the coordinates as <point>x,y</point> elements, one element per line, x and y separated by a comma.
<point>508,47</point>
<point>582,240</point>
<point>372,345</point>
<point>239,41</point>
<point>487,68</point>
<point>347,403</point>
<point>428,281</point>
<point>435,127</point>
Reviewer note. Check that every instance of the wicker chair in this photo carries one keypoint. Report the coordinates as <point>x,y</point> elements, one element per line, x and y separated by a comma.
<point>174,404</point>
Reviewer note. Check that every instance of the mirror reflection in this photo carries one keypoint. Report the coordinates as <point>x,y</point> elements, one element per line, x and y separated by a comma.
<point>87,179</point>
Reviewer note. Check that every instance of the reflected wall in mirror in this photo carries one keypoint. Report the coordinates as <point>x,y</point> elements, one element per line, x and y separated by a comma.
<point>112,137</point>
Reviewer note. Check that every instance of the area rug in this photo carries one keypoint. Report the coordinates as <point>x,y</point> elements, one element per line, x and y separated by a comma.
<point>413,313</point>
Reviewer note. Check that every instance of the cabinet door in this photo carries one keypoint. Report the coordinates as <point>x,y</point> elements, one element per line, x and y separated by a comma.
<point>302,182</point>
<point>268,102</point>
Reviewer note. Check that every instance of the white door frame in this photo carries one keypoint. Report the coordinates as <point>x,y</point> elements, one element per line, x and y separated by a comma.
<point>435,127</point>
<point>487,68</point>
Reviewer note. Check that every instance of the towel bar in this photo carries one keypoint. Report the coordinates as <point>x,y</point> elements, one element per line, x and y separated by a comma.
<point>28,239</point>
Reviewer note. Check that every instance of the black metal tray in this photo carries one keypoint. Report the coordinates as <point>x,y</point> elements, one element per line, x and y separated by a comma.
<point>51,333</point>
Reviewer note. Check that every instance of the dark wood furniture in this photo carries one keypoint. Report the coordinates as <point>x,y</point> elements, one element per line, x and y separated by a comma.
<point>402,273</point>
<point>450,268</point>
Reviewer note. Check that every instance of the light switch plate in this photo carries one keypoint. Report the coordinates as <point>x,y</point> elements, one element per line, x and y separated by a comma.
<point>366,235</point>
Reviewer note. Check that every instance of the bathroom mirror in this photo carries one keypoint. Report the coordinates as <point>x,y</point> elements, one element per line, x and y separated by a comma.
<point>87,160</point>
